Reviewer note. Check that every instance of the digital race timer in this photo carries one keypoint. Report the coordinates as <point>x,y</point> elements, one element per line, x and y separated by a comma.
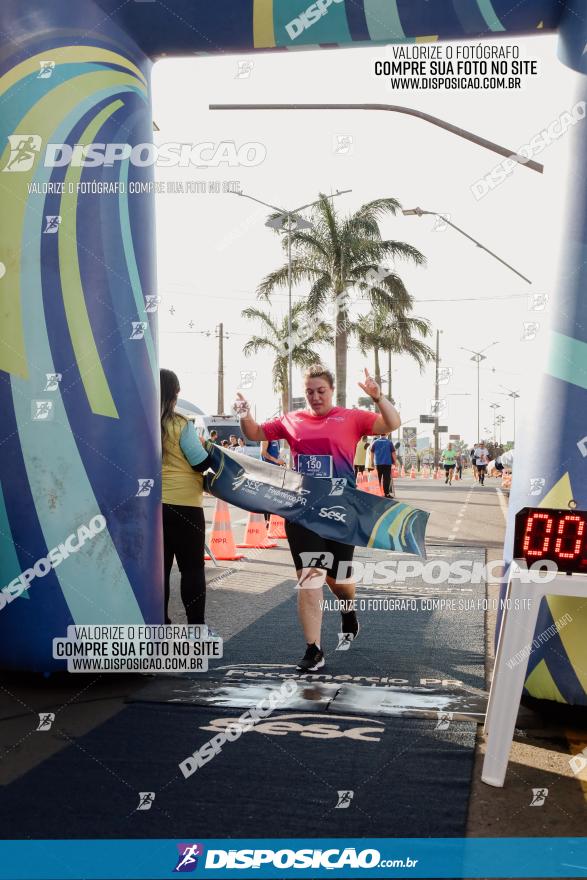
<point>558,535</point>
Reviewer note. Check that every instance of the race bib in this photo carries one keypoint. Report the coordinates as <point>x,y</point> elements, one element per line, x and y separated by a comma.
<point>315,466</point>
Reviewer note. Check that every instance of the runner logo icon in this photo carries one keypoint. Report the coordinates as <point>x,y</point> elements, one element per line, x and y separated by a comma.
<point>344,800</point>
<point>188,857</point>
<point>46,719</point>
<point>23,151</point>
<point>145,486</point>
<point>146,799</point>
<point>337,513</point>
<point>313,559</point>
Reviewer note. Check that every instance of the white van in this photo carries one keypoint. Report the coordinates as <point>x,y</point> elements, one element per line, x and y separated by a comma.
<point>224,425</point>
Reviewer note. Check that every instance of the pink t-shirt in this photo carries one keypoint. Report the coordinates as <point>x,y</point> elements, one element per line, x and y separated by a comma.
<point>335,434</point>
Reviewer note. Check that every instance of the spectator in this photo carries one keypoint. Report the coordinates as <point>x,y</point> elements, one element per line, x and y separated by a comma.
<point>184,460</point>
<point>361,454</point>
<point>383,456</point>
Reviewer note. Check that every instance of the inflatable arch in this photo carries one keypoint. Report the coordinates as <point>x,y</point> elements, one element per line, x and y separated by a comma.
<point>79,435</point>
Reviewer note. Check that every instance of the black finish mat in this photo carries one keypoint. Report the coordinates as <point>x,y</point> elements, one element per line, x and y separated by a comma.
<point>408,778</point>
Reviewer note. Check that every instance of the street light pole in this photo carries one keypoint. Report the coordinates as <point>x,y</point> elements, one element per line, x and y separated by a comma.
<point>419,212</point>
<point>500,420</point>
<point>396,108</point>
<point>478,356</point>
<point>514,396</point>
<point>494,407</point>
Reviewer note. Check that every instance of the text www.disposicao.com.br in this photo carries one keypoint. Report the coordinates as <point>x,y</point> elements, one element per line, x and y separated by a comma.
<point>134,664</point>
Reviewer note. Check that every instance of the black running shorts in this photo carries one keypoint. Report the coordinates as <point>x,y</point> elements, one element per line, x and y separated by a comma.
<point>315,550</point>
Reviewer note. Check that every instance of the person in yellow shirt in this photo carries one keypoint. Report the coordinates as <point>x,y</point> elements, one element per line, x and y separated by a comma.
<point>361,455</point>
<point>184,528</point>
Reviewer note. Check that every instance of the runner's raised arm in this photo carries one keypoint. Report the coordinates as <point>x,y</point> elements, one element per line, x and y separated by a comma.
<point>389,418</point>
<point>249,426</point>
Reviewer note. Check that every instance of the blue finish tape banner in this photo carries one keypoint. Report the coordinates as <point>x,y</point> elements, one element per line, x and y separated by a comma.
<point>329,507</point>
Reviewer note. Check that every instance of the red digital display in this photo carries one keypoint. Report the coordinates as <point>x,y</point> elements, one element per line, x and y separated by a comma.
<point>558,535</point>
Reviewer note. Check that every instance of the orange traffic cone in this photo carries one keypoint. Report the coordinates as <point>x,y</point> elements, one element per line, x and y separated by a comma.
<point>413,473</point>
<point>424,472</point>
<point>276,527</point>
<point>394,472</point>
<point>222,542</point>
<point>436,474</point>
<point>256,533</point>
<point>372,483</point>
<point>403,471</point>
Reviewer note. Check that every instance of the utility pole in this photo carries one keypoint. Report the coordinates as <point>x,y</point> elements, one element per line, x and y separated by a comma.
<point>221,337</point>
<point>514,396</point>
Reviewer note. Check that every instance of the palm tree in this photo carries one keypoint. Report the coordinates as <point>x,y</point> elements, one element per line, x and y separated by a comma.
<point>381,331</point>
<point>277,340</point>
<point>340,253</point>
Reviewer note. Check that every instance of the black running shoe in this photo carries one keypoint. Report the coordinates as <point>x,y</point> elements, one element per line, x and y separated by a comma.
<point>312,660</point>
<point>350,625</point>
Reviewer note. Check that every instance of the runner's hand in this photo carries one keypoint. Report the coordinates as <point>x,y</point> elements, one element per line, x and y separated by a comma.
<point>241,406</point>
<point>370,386</point>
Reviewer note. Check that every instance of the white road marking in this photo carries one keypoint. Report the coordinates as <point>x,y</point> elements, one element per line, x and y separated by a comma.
<point>502,503</point>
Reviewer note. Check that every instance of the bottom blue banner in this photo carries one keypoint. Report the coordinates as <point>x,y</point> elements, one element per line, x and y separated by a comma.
<point>377,857</point>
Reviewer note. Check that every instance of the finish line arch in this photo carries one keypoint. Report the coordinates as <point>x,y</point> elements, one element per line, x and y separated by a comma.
<point>78,332</point>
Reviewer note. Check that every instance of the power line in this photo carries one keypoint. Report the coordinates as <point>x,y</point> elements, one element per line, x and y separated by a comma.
<point>359,299</point>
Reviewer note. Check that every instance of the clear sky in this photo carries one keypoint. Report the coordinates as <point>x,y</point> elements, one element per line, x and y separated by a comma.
<point>213,248</point>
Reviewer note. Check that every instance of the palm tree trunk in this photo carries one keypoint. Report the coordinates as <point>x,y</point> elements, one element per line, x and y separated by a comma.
<point>284,400</point>
<point>340,355</point>
<point>377,366</point>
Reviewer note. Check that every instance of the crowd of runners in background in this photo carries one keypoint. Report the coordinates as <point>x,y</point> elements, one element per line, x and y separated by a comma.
<point>382,455</point>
